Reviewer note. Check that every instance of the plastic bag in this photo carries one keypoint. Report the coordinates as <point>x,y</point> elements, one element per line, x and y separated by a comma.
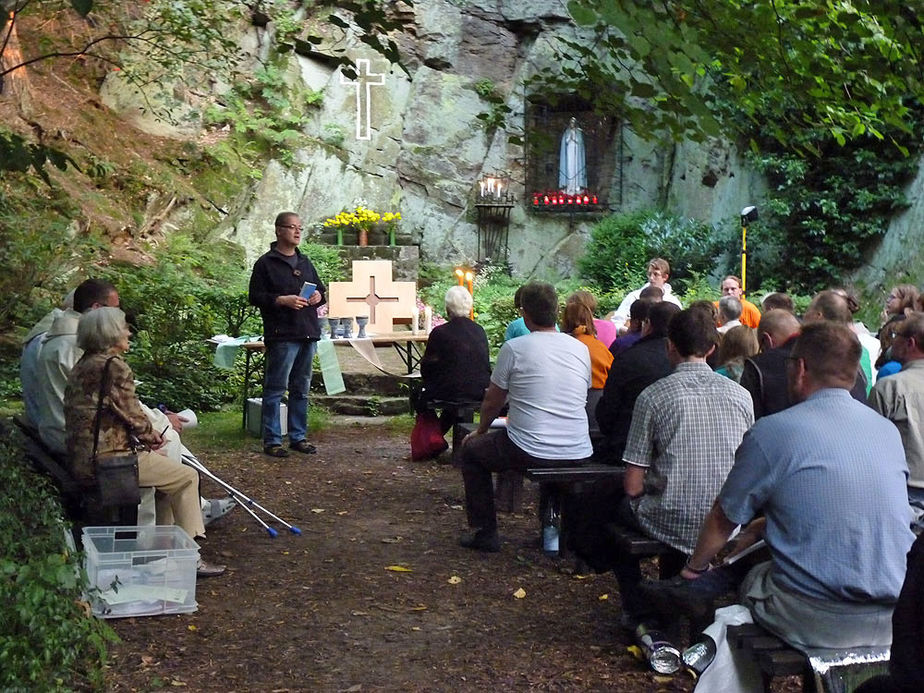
<point>427,439</point>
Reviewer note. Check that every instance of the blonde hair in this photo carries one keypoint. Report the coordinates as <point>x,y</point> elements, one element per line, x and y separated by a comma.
<point>739,343</point>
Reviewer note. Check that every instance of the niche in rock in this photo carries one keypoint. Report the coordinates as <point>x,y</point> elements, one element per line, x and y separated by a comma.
<point>573,155</point>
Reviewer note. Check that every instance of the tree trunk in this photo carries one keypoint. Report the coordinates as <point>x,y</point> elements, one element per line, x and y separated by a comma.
<point>14,85</point>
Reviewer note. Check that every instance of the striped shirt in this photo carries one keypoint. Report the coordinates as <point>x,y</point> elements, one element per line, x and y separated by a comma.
<point>685,430</point>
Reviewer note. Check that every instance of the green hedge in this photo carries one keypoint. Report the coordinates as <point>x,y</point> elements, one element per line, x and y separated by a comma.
<point>48,642</point>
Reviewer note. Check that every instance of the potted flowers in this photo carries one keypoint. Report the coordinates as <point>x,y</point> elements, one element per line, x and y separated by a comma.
<point>363,220</point>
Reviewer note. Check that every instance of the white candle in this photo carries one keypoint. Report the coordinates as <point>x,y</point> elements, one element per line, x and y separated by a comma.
<point>415,321</point>
<point>499,184</point>
<point>428,319</point>
<point>481,185</point>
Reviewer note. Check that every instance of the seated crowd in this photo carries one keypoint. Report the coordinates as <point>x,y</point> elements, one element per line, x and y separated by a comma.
<point>727,419</point>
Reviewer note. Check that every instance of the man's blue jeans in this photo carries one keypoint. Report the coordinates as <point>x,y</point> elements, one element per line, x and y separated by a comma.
<point>287,367</point>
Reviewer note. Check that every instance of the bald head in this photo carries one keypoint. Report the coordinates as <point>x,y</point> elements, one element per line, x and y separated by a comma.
<point>829,305</point>
<point>775,327</point>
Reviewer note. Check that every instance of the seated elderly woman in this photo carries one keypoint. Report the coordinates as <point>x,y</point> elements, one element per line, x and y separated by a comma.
<point>103,335</point>
<point>456,366</point>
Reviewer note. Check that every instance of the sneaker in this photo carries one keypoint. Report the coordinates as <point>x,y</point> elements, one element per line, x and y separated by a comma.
<point>275,451</point>
<point>482,540</point>
<point>304,447</point>
<point>216,508</point>
<point>206,570</point>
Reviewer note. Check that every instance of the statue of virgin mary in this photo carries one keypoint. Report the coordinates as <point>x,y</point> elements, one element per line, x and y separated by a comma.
<point>572,168</point>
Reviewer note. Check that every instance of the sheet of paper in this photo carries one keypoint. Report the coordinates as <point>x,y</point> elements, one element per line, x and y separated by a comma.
<point>143,593</point>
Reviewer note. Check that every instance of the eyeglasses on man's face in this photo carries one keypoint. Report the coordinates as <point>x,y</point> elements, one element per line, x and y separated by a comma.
<point>296,227</point>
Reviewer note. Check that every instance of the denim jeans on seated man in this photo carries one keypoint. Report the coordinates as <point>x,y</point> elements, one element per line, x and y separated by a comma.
<point>287,367</point>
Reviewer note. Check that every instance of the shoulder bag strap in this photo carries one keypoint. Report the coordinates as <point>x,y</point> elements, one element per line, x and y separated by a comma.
<point>99,404</point>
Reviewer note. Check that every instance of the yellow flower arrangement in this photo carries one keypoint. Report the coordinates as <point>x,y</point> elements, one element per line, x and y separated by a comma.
<point>363,219</point>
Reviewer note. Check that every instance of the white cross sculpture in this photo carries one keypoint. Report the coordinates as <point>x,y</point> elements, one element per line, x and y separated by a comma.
<point>365,77</point>
<point>375,293</point>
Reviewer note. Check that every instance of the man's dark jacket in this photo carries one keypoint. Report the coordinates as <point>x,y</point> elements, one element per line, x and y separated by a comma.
<point>272,277</point>
<point>632,371</point>
<point>764,376</point>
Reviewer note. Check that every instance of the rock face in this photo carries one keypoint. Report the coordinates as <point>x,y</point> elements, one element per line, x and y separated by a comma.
<point>413,142</point>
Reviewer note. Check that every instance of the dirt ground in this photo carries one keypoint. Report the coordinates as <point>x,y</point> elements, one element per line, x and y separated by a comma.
<point>328,611</point>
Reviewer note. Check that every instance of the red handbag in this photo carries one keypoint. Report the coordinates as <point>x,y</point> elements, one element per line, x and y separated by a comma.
<point>427,439</point>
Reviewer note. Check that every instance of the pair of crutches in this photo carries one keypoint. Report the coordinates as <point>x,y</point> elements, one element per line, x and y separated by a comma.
<point>247,503</point>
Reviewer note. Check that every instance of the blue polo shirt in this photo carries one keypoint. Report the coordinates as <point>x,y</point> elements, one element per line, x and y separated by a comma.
<point>830,476</point>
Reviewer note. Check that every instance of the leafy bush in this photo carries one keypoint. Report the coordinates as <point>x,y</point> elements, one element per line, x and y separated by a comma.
<point>824,211</point>
<point>48,641</point>
<point>621,245</point>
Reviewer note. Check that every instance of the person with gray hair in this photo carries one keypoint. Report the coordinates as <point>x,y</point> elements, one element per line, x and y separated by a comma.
<point>101,381</point>
<point>456,366</point>
<point>729,313</point>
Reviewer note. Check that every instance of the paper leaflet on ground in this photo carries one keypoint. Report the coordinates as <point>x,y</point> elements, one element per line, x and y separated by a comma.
<point>330,368</point>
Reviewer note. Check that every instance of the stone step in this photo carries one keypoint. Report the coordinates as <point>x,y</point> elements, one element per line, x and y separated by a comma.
<point>367,384</point>
<point>363,405</point>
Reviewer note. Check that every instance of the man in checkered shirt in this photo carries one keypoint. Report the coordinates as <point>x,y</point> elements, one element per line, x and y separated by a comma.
<point>682,441</point>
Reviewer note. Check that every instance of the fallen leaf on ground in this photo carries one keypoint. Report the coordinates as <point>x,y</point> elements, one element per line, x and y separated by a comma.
<point>520,593</point>
<point>603,597</point>
<point>398,569</point>
<point>391,540</point>
<point>454,580</point>
<point>317,510</point>
<point>192,628</point>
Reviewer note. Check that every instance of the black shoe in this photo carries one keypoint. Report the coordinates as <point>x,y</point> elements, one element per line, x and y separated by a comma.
<point>275,451</point>
<point>482,540</point>
<point>304,447</point>
<point>207,570</point>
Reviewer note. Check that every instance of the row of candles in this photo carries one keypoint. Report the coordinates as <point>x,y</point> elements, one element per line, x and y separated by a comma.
<point>556,199</point>
<point>491,187</point>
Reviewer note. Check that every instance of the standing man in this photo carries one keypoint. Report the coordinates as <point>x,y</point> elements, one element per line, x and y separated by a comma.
<point>290,332</point>
<point>543,377</point>
<point>829,476</point>
<point>750,315</point>
<point>900,398</point>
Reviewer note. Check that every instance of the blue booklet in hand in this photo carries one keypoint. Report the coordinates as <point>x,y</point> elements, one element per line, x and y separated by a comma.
<point>307,289</point>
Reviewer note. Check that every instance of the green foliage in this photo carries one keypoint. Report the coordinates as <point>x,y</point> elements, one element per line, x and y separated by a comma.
<point>843,67</point>
<point>622,244</point>
<point>48,642</point>
<point>16,154</point>
<point>266,115</point>
<point>189,294</point>
<point>498,111</point>
<point>822,214</point>
<point>327,260</point>
<point>38,247</point>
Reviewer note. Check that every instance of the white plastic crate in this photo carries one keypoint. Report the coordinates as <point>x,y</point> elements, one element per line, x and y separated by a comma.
<point>140,571</point>
<point>255,418</point>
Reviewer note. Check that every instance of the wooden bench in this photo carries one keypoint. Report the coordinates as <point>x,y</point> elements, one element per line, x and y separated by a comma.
<point>776,658</point>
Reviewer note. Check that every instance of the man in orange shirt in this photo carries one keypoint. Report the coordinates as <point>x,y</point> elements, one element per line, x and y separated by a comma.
<point>750,315</point>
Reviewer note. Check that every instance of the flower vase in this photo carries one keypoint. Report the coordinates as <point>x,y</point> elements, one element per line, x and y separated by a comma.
<point>363,237</point>
<point>346,328</point>
<point>362,321</point>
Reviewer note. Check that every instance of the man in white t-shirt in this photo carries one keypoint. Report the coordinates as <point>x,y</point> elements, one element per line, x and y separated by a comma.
<point>658,272</point>
<point>543,377</point>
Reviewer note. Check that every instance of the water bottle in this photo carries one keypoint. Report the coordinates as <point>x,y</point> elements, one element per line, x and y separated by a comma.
<point>699,655</point>
<point>663,657</point>
<point>550,540</point>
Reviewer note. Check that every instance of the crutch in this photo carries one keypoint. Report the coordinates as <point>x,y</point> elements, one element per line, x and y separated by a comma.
<point>247,500</point>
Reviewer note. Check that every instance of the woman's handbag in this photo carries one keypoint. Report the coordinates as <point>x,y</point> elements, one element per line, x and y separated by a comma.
<point>116,474</point>
<point>427,437</point>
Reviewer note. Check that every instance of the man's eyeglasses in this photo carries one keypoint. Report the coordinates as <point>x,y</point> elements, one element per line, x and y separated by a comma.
<point>297,227</point>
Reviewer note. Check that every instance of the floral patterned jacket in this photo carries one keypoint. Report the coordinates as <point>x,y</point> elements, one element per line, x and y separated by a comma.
<point>121,415</point>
